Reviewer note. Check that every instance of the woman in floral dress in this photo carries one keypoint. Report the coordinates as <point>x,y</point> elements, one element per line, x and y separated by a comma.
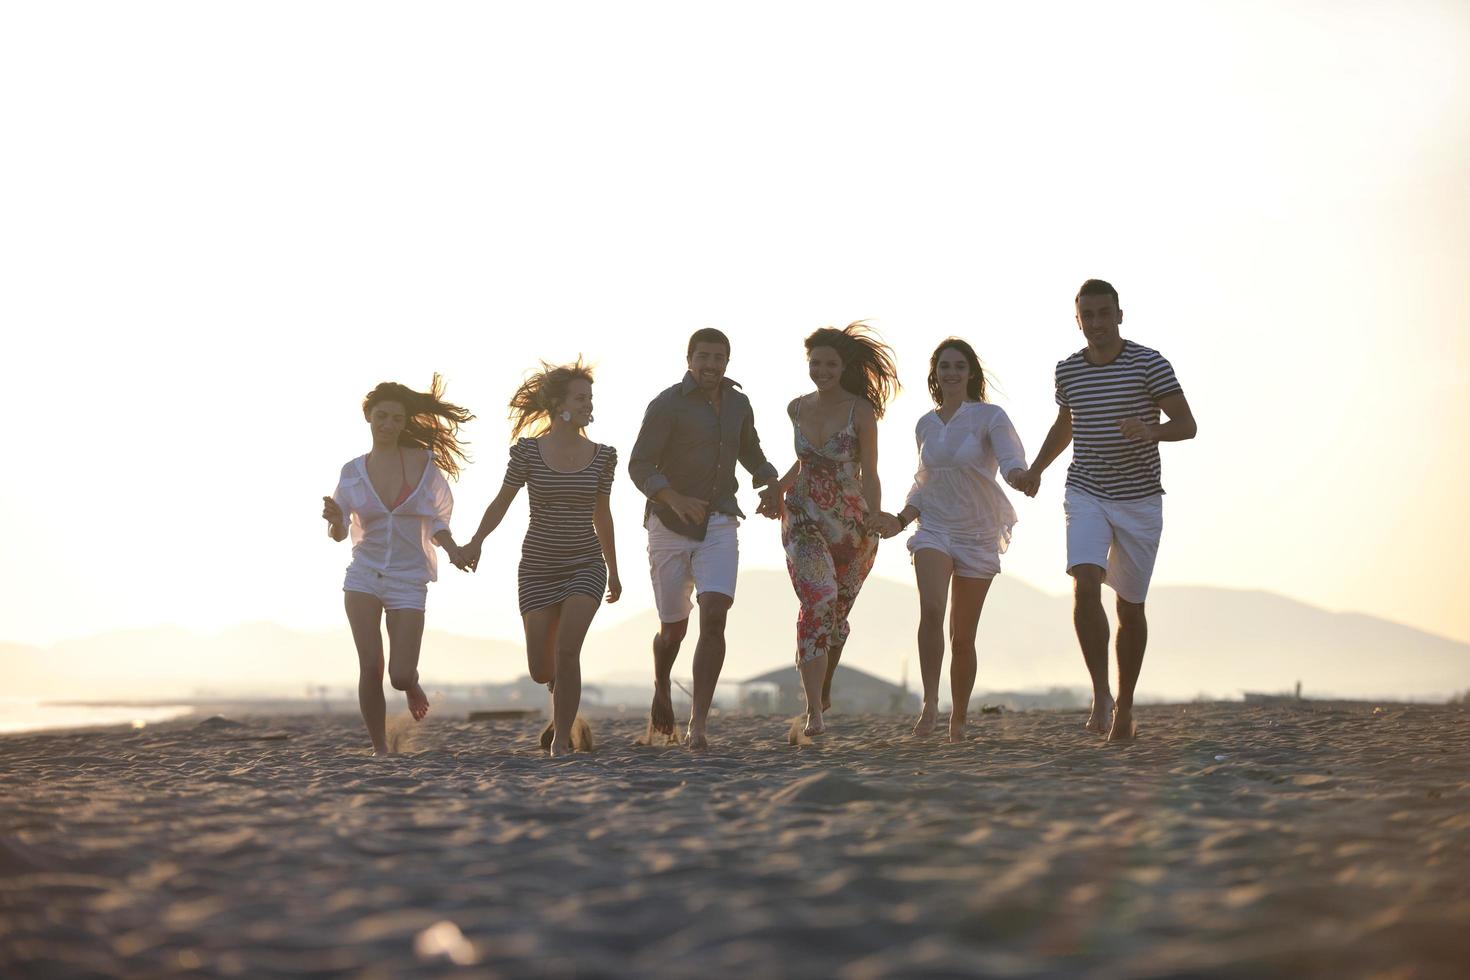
<point>831,496</point>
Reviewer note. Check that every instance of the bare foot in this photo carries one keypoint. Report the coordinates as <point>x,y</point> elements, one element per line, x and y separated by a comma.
<point>814,725</point>
<point>1123,728</point>
<point>383,753</point>
<point>956,728</point>
<point>582,735</point>
<point>1100,718</point>
<point>661,712</point>
<point>928,718</point>
<point>560,748</point>
<point>827,695</point>
<point>547,735</point>
<point>418,701</point>
<point>695,738</point>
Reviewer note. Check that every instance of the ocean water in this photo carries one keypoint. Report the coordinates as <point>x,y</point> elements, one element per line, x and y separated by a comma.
<point>25,715</point>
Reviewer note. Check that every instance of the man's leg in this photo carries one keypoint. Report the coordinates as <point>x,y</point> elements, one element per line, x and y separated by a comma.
<point>1132,639</point>
<point>709,660</point>
<point>665,651</point>
<point>1091,623</point>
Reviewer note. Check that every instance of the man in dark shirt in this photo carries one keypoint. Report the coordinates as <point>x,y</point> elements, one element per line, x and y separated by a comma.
<point>684,463</point>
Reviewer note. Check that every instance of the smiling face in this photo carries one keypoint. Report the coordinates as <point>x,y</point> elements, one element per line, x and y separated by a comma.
<point>824,367</point>
<point>578,401</point>
<point>387,419</point>
<point>1099,317</point>
<point>707,363</point>
<point>952,371</point>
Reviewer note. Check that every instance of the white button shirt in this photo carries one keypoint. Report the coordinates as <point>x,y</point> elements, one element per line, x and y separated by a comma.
<point>955,488</point>
<point>398,543</point>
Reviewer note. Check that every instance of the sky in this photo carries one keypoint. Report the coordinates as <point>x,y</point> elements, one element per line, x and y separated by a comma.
<point>222,224</point>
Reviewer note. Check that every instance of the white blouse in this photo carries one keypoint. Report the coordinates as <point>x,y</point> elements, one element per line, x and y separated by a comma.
<point>955,488</point>
<point>398,543</point>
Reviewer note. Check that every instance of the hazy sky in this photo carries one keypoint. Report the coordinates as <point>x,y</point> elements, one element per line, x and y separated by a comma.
<point>220,225</point>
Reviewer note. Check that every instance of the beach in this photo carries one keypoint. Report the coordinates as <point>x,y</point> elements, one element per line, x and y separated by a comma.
<point>1283,839</point>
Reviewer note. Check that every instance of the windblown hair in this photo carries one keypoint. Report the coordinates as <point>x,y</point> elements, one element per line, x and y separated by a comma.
<point>867,362</point>
<point>1097,287</point>
<point>537,397</point>
<point>974,387</point>
<point>432,424</point>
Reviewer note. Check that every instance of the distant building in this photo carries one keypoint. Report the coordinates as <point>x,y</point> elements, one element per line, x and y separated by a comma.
<point>853,692</point>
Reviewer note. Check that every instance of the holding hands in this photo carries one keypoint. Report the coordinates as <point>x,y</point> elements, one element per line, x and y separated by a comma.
<point>770,505</point>
<point>1028,481</point>
<point>884,524</point>
<point>466,557</point>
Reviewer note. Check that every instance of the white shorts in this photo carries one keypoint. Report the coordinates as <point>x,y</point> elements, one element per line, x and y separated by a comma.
<point>974,555</point>
<point>1121,536</point>
<point>679,565</point>
<point>393,593</point>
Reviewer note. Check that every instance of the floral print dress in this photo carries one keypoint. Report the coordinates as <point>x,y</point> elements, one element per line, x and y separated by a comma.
<point>829,552</point>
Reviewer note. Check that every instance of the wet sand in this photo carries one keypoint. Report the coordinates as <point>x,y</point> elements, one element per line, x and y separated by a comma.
<point>1230,840</point>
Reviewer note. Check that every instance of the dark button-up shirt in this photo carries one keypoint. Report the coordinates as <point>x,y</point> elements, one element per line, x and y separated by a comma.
<point>685,444</point>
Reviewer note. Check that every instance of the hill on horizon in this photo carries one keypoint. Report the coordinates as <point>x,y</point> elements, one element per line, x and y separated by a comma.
<point>1202,641</point>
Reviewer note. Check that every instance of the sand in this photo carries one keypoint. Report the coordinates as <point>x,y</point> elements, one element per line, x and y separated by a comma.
<point>1231,840</point>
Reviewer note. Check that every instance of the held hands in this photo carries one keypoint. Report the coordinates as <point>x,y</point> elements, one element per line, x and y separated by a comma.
<point>466,557</point>
<point>771,505</point>
<point>1137,430</point>
<point>1025,480</point>
<point>884,524</point>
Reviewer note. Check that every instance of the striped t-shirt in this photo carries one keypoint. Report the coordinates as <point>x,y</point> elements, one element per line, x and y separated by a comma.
<point>1104,463</point>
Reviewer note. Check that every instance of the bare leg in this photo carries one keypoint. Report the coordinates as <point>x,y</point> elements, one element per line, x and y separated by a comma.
<point>665,651</point>
<point>964,620</point>
<point>834,656</point>
<point>932,570</point>
<point>364,613</point>
<point>709,660</point>
<point>405,637</point>
<point>1132,639</point>
<point>812,673</point>
<point>1091,624</point>
<point>576,615</point>
<point>540,626</point>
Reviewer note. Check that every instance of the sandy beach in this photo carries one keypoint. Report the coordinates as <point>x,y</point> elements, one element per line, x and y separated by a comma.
<point>1231,840</point>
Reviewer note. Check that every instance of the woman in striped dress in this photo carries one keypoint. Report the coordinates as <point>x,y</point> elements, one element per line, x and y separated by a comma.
<point>568,560</point>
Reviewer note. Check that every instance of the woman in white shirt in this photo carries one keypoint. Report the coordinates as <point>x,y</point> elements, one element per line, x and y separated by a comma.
<point>964,521</point>
<point>396,504</point>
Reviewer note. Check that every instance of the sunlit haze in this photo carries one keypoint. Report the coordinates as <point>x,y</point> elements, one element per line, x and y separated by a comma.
<point>222,224</point>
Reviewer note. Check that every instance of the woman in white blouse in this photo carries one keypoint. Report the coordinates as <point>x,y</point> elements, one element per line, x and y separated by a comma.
<point>396,504</point>
<point>964,521</point>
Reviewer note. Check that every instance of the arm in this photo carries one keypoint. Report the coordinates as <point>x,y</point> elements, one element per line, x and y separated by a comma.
<point>653,440</point>
<point>602,523</point>
<point>867,432</point>
<point>443,503</point>
<point>1057,439</point>
<point>770,505</point>
<point>1180,426</point>
<point>494,514</point>
<point>1010,455</point>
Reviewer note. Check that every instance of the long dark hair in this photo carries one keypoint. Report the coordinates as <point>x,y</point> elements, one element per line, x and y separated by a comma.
<point>432,423</point>
<point>537,397</point>
<point>974,388</point>
<point>867,362</point>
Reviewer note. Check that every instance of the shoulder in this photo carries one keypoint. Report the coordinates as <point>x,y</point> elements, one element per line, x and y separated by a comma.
<point>863,409</point>
<point>1137,351</point>
<point>991,415</point>
<point>1071,361</point>
<point>926,420</point>
<point>524,446</point>
<point>792,405</point>
<point>669,396</point>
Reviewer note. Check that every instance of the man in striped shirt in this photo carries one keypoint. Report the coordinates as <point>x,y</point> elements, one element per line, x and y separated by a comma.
<point>1110,395</point>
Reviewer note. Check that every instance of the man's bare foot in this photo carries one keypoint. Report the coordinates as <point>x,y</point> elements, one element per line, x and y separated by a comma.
<point>559,748</point>
<point>1100,718</point>
<point>695,738</point>
<point>383,753</point>
<point>661,712</point>
<point>957,728</point>
<point>1123,729</point>
<point>814,726</point>
<point>928,718</point>
<point>418,701</point>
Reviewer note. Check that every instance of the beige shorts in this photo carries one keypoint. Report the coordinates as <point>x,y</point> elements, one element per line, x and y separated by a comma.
<point>974,555</point>
<point>393,593</point>
<point>680,565</point>
<point>1121,536</point>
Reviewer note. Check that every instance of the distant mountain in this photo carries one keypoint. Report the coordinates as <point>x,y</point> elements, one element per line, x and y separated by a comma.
<point>1219,642</point>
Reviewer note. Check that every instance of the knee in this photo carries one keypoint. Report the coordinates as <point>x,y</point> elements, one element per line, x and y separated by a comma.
<point>568,655</point>
<point>1130,614</point>
<point>673,633</point>
<point>402,680</point>
<point>962,651</point>
<point>1087,584</point>
<point>713,613</point>
<point>931,614</point>
<point>542,674</point>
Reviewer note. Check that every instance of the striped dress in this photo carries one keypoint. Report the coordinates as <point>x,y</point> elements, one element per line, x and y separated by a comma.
<point>560,555</point>
<point>1104,462</point>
